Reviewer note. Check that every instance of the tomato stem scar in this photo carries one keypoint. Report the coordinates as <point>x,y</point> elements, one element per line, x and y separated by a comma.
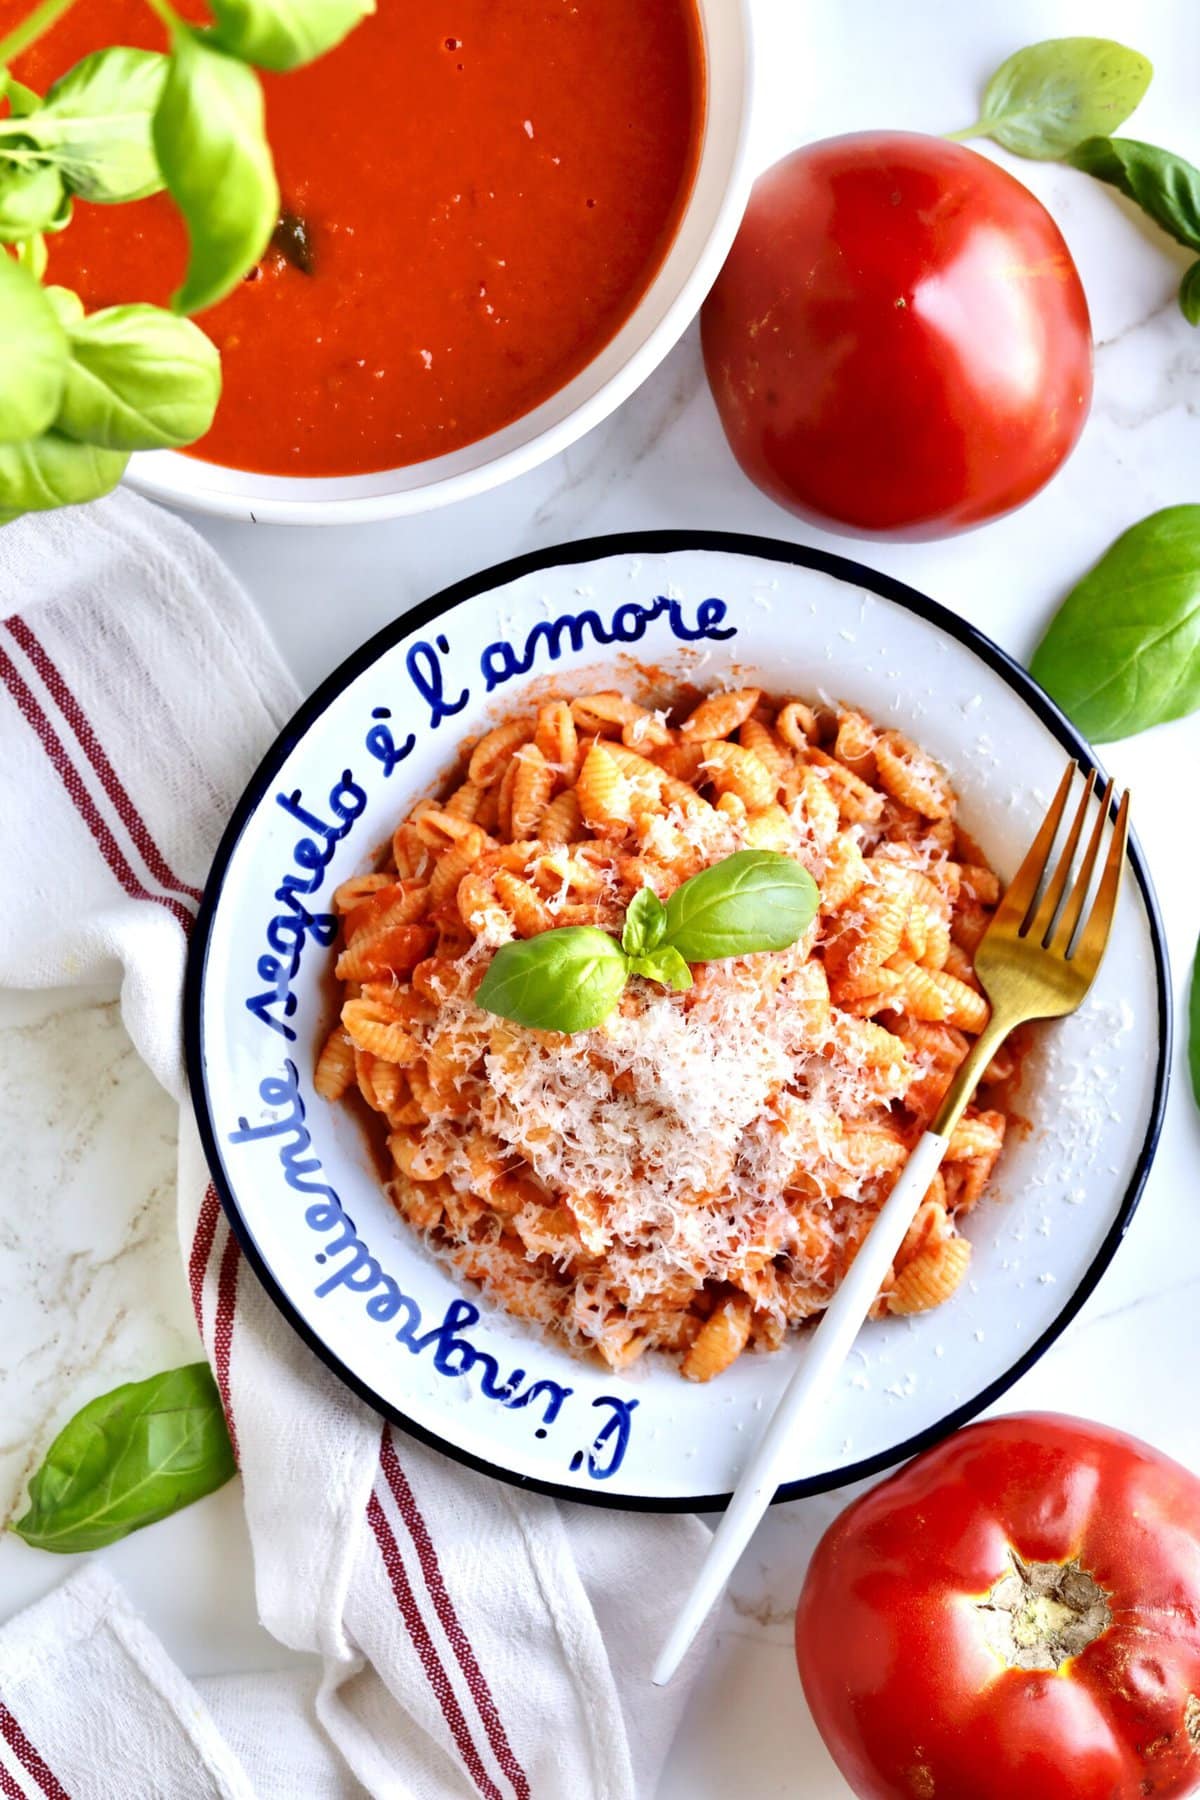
<point>1040,1614</point>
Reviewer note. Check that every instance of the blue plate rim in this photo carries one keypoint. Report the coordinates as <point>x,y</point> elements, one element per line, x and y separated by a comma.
<point>592,549</point>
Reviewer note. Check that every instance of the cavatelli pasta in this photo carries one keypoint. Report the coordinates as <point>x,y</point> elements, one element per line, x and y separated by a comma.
<point>695,1175</point>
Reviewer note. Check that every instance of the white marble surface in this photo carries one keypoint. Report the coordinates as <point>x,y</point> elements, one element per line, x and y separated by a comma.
<point>101,1297</point>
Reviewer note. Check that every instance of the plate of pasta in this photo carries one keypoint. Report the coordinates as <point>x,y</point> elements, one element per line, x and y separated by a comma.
<point>575,976</point>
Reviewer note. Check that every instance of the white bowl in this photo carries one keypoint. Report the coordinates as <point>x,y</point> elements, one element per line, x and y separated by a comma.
<point>798,622</point>
<point>701,242</point>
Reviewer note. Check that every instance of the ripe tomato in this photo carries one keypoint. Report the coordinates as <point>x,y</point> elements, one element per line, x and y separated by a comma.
<point>1014,1616</point>
<point>899,341</point>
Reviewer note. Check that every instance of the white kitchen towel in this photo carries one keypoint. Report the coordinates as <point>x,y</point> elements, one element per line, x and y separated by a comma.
<point>475,1641</point>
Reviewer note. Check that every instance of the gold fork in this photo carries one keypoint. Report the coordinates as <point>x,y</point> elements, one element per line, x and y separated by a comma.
<point>1037,960</point>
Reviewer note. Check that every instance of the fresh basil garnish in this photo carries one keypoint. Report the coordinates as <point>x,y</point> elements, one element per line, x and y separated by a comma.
<point>1123,651</point>
<point>645,923</point>
<point>283,34</point>
<point>566,980</point>
<point>756,900</point>
<point>94,124</point>
<point>570,979</point>
<point>31,199</point>
<point>129,1458</point>
<point>664,965</point>
<point>49,471</point>
<point>1047,98</point>
<point>210,139</point>
<point>1194,1027</point>
<point>33,356</point>
<point>139,379</point>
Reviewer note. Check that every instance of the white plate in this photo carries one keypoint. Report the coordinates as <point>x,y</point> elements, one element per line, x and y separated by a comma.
<point>702,606</point>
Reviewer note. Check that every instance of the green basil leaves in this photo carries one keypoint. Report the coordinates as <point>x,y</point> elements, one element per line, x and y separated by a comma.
<point>210,139</point>
<point>756,900</point>
<point>645,923</point>
<point>78,395</point>
<point>283,34</point>
<point>81,392</point>
<point>139,379</point>
<point>94,125</point>
<point>1061,100</point>
<point>566,980</point>
<point>570,980</point>
<point>1123,651</point>
<point>46,472</point>
<point>33,356</point>
<point>1046,99</point>
<point>127,1459</point>
<point>1165,186</point>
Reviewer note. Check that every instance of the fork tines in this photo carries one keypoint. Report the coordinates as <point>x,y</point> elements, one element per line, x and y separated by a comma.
<point>1050,915</point>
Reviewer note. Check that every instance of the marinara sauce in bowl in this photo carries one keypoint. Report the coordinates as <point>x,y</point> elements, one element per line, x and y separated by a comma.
<point>497,219</point>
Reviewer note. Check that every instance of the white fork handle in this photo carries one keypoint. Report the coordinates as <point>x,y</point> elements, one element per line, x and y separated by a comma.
<point>776,1456</point>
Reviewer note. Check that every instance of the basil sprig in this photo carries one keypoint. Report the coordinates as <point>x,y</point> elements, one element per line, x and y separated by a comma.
<point>571,979</point>
<point>127,1459</point>
<point>1061,100</point>
<point>78,395</point>
<point>1123,651</point>
<point>1047,98</point>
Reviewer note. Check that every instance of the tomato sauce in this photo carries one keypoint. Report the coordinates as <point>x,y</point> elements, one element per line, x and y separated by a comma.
<point>488,187</point>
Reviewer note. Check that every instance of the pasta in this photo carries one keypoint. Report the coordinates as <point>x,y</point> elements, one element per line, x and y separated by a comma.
<point>695,1174</point>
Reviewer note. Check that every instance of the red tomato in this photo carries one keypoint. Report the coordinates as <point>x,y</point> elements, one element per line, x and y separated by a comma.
<point>1014,1616</point>
<point>899,341</point>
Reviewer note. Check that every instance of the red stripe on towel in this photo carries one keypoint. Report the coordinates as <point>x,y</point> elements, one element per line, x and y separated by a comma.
<point>94,750</point>
<point>439,1681</point>
<point>29,1758</point>
<point>459,1642</point>
<point>227,1279</point>
<point>69,775</point>
<point>202,1243</point>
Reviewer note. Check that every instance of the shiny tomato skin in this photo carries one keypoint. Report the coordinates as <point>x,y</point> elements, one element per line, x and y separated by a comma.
<point>899,341</point>
<point>911,1702</point>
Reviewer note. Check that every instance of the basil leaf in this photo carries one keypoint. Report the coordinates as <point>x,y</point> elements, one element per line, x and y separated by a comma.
<point>1165,186</point>
<point>127,1459</point>
<point>140,379</point>
<point>1189,295</point>
<point>68,307</point>
<point>1046,99</point>
<point>33,255</point>
<point>32,199</point>
<point>645,923</point>
<point>95,122</point>
<point>21,99</point>
<point>1194,1027</point>
<point>212,147</point>
<point>666,965</point>
<point>283,34</point>
<point>33,357</point>
<point>755,900</point>
<point>565,980</point>
<point>1123,651</point>
<point>51,471</point>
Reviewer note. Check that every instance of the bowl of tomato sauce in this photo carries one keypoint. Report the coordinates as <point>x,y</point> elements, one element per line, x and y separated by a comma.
<point>496,219</point>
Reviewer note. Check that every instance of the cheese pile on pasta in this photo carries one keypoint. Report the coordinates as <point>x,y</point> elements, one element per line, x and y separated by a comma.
<point>695,1174</point>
